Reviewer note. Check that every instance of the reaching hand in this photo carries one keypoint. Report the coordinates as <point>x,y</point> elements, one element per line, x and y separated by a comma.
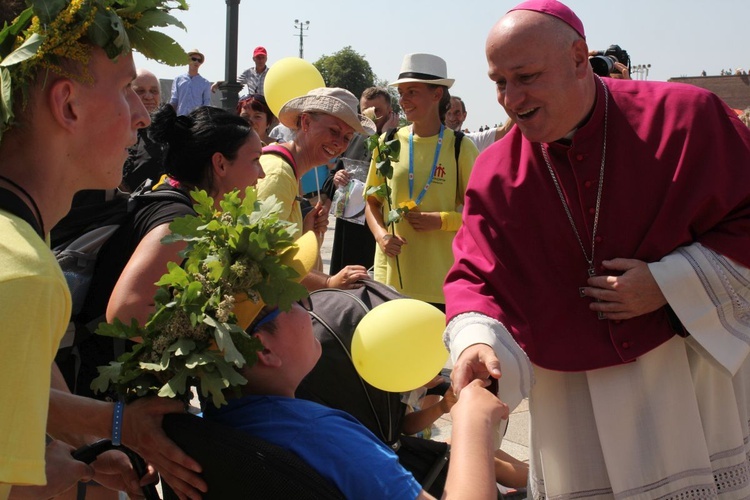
<point>476,401</point>
<point>632,294</point>
<point>142,432</point>
<point>348,277</point>
<point>114,471</point>
<point>449,399</point>
<point>477,361</point>
<point>62,471</point>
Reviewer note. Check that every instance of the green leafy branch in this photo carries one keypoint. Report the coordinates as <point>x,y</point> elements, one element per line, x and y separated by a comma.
<point>193,337</point>
<point>384,152</point>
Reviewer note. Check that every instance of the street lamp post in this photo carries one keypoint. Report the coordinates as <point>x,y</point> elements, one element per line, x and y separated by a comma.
<point>230,88</point>
<point>301,26</point>
<point>640,71</point>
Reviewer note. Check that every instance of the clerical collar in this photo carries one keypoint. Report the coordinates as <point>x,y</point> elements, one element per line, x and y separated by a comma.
<point>567,140</point>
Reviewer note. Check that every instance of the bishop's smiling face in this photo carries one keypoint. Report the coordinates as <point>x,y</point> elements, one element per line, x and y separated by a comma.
<point>539,69</point>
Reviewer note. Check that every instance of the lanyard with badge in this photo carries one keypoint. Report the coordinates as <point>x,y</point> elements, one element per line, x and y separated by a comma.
<point>414,203</point>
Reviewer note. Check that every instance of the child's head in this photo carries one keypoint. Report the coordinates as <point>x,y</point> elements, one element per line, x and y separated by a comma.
<point>290,350</point>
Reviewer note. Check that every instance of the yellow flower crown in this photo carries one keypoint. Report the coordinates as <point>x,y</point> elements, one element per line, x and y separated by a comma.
<point>49,32</point>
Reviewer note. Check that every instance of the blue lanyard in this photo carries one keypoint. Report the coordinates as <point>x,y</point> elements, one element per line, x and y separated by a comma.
<point>411,166</point>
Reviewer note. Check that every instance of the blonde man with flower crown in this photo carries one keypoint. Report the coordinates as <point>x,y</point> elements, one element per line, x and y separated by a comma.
<point>65,125</point>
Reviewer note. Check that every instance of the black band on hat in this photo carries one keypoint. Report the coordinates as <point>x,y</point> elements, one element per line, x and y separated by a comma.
<point>420,76</point>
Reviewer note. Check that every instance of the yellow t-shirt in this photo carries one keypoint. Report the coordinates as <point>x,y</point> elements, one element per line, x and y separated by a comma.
<point>281,182</point>
<point>427,257</point>
<point>35,309</point>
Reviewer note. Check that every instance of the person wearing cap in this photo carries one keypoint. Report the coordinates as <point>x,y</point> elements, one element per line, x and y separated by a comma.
<point>190,90</point>
<point>255,77</point>
<point>456,116</point>
<point>428,177</point>
<point>71,115</point>
<point>331,441</point>
<point>324,121</point>
<point>603,270</point>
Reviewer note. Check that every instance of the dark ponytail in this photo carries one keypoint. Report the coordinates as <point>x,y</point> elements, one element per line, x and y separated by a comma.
<point>192,140</point>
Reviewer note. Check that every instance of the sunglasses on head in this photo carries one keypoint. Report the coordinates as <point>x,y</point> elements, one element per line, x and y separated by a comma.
<point>197,59</point>
<point>269,314</point>
<point>258,97</point>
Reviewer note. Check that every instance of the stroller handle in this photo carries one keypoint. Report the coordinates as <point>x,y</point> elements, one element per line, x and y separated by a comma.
<point>90,452</point>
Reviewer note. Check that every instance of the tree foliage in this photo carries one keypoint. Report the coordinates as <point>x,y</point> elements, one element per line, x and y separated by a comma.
<point>346,69</point>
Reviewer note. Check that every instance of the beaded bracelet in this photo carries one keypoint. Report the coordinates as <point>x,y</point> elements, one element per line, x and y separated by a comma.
<point>117,423</point>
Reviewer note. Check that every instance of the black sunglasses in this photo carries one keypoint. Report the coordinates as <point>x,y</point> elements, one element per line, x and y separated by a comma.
<point>197,59</point>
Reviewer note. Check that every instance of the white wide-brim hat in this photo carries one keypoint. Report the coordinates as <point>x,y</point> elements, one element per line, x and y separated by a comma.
<point>424,68</point>
<point>334,101</point>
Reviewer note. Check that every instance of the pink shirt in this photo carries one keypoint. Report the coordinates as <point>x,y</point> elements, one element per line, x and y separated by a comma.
<point>517,257</point>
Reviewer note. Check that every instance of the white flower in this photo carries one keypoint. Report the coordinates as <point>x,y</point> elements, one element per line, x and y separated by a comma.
<point>369,113</point>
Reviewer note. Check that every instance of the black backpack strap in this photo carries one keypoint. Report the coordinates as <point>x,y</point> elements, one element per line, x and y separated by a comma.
<point>391,134</point>
<point>457,150</point>
<point>165,195</point>
<point>10,202</point>
<point>457,144</point>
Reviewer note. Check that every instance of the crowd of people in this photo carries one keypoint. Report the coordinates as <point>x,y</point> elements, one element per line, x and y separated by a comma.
<point>587,260</point>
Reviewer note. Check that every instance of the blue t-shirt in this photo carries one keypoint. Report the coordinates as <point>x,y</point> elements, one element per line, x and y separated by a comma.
<point>311,183</point>
<point>334,443</point>
<point>190,92</point>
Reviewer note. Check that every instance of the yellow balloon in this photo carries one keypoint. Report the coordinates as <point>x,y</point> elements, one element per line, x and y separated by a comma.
<point>398,346</point>
<point>288,78</point>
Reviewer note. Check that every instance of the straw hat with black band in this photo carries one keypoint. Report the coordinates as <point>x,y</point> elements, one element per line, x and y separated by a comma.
<point>424,68</point>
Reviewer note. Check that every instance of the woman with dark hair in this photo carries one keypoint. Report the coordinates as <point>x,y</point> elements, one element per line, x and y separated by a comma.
<point>429,179</point>
<point>209,149</point>
<point>255,110</point>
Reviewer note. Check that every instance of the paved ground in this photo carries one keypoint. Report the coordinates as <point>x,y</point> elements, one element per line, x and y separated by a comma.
<point>516,440</point>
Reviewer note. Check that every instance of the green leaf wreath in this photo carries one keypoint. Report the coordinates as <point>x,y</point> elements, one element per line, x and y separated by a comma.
<point>193,338</point>
<point>50,32</point>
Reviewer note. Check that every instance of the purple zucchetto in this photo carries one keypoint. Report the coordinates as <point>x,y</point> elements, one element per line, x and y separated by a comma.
<point>556,9</point>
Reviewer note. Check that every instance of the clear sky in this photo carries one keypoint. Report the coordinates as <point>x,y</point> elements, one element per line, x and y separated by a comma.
<point>677,37</point>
